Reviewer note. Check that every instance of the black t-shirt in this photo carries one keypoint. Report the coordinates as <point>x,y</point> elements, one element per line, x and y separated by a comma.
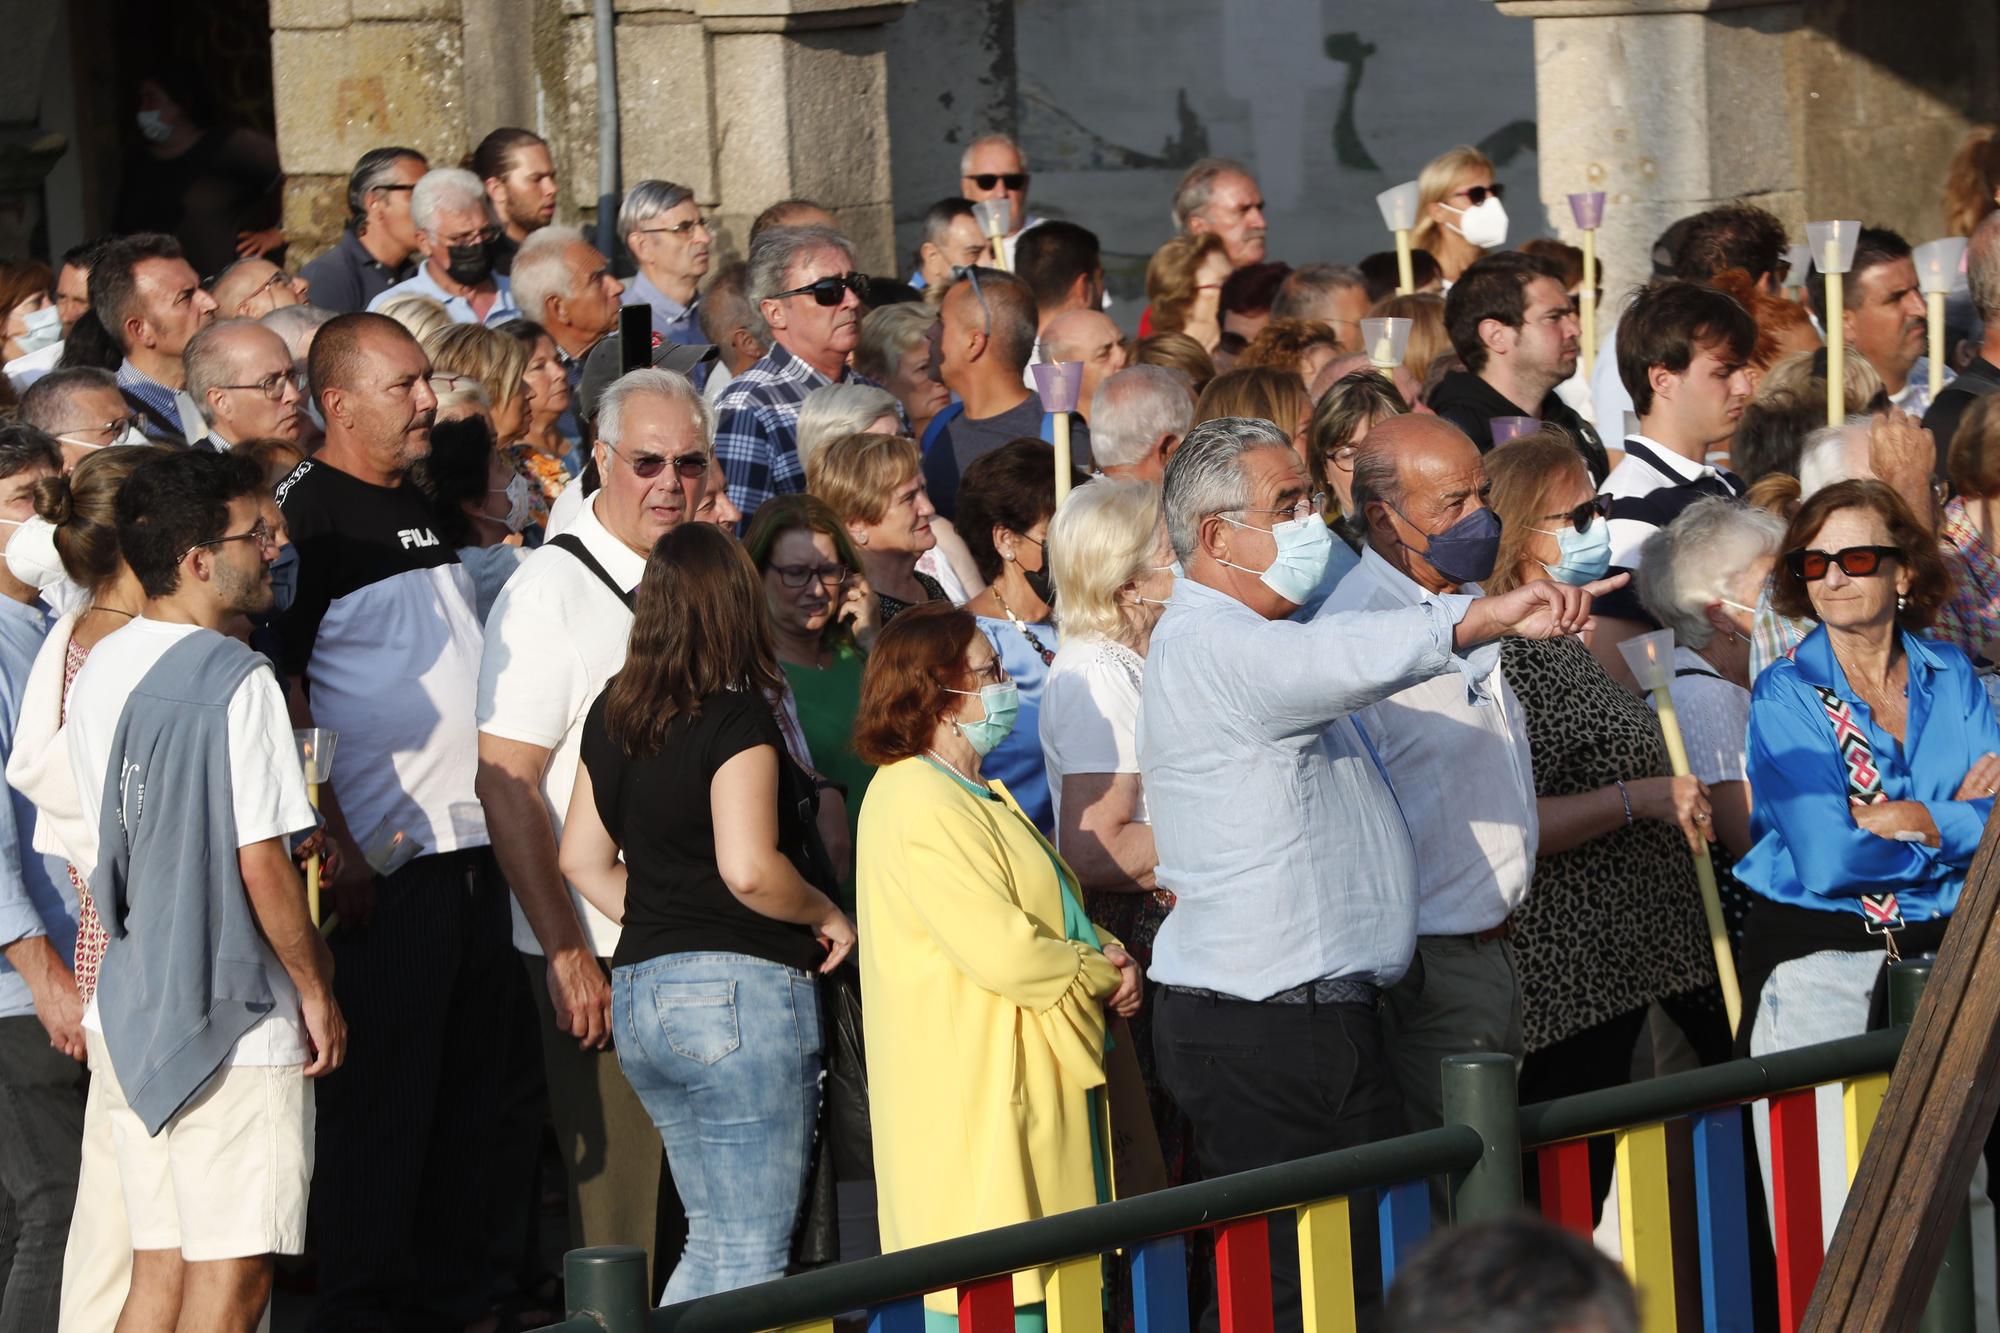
<point>656,808</point>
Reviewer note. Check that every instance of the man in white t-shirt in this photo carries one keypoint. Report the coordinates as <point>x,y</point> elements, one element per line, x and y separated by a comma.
<point>219,1188</point>
<point>556,633</point>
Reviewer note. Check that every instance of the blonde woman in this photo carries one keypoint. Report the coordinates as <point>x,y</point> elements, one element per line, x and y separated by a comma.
<point>894,351</point>
<point>875,484</point>
<point>834,410</point>
<point>1459,213</point>
<point>1114,571</point>
<point>1184,289</point>
<point>421,315</point>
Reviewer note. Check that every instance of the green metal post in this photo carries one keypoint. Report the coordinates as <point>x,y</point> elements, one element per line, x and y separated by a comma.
<point>1479,1092</point>
<point>1951,1303</point>
<point>607,1283</point>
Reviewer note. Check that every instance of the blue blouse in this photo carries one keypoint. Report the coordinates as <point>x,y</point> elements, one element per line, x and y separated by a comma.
<point>1809,852</point>
<point>1017,761</point>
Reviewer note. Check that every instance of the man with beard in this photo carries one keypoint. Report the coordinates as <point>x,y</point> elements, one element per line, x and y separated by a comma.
<point>1886,320</point>
<point>669,239</point>
<point>242,378</point>
<point>457,238</point>
<point>383,646</point>
<point>520,181</point>
<point>206,1035</point>
<point>806,303</point>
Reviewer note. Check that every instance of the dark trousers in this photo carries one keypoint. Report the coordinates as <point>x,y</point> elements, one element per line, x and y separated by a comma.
<point>1597,1057</point>
<point>41,1149</point>
<point>409,1132</point>
<point>1268,1083</point>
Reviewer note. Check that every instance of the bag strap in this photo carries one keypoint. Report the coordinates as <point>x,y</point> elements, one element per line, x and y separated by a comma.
<point>1880,913</point>
<point>572,543</point>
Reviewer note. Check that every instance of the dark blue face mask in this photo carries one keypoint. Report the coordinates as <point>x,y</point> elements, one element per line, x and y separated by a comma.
<point>1465,551</point>
<point>284,581</point>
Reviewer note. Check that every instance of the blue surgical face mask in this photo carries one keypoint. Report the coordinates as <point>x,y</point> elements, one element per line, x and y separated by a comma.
<point>284,579</point>
<point>1463,552</point>
<point>1002,703</point>
<point>1305,547</point>
<point>44,330</point>
<point>1586,555</point>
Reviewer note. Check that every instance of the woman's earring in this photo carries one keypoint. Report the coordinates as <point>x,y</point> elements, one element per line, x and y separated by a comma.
<point>1902,602</point>
<point>860,539</point>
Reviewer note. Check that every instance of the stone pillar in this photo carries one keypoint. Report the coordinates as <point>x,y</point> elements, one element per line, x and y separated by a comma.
<point>1669,107</point>
<point>350,75</point>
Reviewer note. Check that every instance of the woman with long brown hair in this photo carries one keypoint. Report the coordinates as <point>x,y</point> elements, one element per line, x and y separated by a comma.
<point>692,827</point>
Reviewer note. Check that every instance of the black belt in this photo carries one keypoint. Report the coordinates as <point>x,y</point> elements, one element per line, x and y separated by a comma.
<point>1327,990</point>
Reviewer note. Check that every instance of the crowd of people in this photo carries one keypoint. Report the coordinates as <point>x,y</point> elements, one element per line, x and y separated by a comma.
<point>744,765</point>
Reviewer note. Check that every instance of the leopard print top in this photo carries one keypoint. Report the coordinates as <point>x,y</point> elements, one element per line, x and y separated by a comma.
<point>1617,922</point>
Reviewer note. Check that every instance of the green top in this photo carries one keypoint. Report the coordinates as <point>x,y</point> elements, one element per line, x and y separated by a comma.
<point>828,699</point>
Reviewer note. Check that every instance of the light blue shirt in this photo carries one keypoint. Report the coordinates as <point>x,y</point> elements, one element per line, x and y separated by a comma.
<point>672,321</point>
<point>1017,761</point>
<point>421,283</point>
<point>34,897</point>
<point>1273,823</point>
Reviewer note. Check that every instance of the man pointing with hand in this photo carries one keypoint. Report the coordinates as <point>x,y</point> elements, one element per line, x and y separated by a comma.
<point>1277,831</point>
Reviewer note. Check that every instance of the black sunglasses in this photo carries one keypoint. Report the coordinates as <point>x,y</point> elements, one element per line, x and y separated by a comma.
<point>648,466</point>
<point>1013,180</point>
<point>1854,561</point>
<point>1476,194</point>
<point>1597,506</point>
<point>827,291</point>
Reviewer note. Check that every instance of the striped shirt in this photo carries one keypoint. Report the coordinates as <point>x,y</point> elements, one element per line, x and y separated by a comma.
<point>158,406</point>
<point>1648,490</point>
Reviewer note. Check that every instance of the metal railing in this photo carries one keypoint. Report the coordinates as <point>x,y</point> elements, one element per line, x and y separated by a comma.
<point>1478,1154</point>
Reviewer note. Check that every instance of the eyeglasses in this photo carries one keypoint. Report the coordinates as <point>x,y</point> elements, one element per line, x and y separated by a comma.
<point>971,274</point>
<point>261,534</point>
<point>678,229</point>
<point>796,577</point>
<point>1476,194</point>
<point>1597,506</point>
<point>1305,508</point>
<point>828,291</point>
<point>391,189</point>
<point>648,466</point>
<point>272,386</point>
<point>1854,561</point>
<point>443,381</point>
<point>111,429</point>
<point>486,237</point>
<point>276,279</point>
<point>1013,180</point>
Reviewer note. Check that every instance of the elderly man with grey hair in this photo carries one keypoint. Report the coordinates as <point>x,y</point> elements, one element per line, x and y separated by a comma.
<point>1332,294</point>
<point>669,240</point>
<point>456,236</point>
<point>556,633</point>
<point>1457,758</point>
<point>244,381</point>
<point>805,299</point>
<point>1138,417</point>
<point>993,167</point>
<point>1295,880</point>
<point>1220,196</point>
<point>562,283</point>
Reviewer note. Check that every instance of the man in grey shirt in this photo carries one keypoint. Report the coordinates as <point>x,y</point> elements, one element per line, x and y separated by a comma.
<point>979,350</point>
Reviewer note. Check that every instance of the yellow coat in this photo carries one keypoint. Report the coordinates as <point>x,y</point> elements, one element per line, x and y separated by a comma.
<point>985,1026</point>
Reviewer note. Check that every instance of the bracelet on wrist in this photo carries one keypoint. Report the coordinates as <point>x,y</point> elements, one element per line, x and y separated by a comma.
<point>1624,798</point>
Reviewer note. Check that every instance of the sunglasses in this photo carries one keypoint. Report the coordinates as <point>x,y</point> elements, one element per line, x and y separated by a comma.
<point>648,466</point>
<point>828,291</point>
<point>1013,180</point>
<point>1597,506</point>
<point>1854,561</point>
<point>1476,194</point>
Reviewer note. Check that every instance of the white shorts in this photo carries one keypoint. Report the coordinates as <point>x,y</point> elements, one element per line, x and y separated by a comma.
<point>226,1178</point>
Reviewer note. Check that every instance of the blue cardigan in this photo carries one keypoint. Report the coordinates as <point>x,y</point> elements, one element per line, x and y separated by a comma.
<point>1809,852</point>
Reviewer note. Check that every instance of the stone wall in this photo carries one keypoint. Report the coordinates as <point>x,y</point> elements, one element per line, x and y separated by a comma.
<point>745,101</point>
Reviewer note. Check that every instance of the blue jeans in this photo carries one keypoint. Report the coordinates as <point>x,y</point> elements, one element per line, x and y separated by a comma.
<point>724,1052</point>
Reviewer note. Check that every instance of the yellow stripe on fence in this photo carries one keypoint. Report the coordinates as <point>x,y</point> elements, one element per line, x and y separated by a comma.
<point>1645,1228</point>
<point>1326,1268</point>
<point>1860,1102</point>
<point>1075,1295</point>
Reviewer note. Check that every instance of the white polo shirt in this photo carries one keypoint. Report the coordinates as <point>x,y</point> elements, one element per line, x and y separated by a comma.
<point>555,635</point>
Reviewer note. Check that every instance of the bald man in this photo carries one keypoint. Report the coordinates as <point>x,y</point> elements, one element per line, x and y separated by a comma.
<point>1459,764</point>
<point>253,288</point>
<point>242,378</point>
<point>383,635</point>
<point>1088,336</point>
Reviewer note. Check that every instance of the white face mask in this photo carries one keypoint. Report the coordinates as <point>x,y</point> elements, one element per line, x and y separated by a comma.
<point>154,127</point>
<point>44,329</point>
<point>133,435</point>
<point>1484,224</point>
<point>520,495</point>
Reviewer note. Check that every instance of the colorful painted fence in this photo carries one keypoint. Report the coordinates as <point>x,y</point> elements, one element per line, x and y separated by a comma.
<point>1477,1154</point>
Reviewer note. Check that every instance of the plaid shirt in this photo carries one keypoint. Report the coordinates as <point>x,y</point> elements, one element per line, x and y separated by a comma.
<point>1773,636</point>
<point>1970,617</point>
<point>756,427</point>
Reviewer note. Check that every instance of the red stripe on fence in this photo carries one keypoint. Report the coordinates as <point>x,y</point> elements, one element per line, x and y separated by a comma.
<point>1565,1174</point>
<point>987,1307</point>
<point>1795,1195</point>
<point>1243,1275</point>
